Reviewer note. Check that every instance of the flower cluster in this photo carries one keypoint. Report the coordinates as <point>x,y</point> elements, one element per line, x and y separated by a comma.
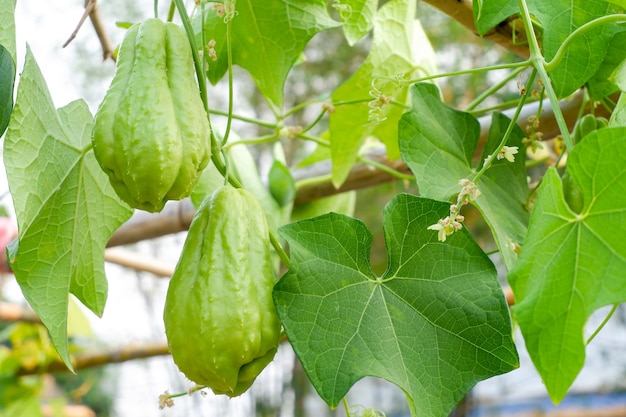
<point>507,152</point>
<point>534,136</point>
<point>225,10</point>
<point>454,222</point>
<point>165,400</point>
<point>211,48</point>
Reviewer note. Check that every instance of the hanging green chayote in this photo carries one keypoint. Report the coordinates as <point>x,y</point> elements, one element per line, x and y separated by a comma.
<point>220,319</point>
<point>151,133</point>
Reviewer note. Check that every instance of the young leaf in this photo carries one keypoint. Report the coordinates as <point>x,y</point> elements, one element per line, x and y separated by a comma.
<point>281,183</point>
<point>434,324</point>
<point>350,124</point>
<point>268,37</point>
<point>437,143</point>
<point>65,206</point>
<point>572,264</point>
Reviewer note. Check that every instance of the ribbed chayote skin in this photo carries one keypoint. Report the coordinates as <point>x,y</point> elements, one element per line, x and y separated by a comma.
<point>151,133</point>
<point>221,323</point>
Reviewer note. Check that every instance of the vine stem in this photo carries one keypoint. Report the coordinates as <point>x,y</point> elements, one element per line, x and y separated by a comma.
<point>215,146</point>
<point>604,322</point>
<point>318,140</point>
<point>512,65</point>
<point>386,169</point>
<point>229,52</point>
<point>246,119</point>
<point>509,128</point>
<point>197,62</point>
<point>491,90</point>
<point>539,63</point>
<point>346,406</point>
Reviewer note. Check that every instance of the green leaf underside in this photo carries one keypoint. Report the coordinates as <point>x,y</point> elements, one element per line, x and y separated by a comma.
<point>559,18</point>
<point>7,23</point>
<point>411,56</point>
<point>437,143</point>
<point>7,61</point>
<point>268,37</point>
<point>571,264</point>
<point>434,324</point>
<point>65,206</point>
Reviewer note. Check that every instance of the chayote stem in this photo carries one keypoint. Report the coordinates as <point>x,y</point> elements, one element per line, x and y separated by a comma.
<point>539,63</point>
<point>509,128</point>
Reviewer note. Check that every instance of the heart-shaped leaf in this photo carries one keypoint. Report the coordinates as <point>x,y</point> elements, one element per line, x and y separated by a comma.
<point>434,324</point>
<point>572,263</point>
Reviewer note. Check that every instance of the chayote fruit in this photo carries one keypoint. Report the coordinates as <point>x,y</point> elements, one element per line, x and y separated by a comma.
<point>220,320</point>
<point>151,132</point>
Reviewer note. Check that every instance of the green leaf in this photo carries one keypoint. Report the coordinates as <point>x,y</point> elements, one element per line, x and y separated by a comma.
<point>7,27</point>
<point>7,80</point>
<point>19,399</point>
<point>586,53</point>
<point>619,75</point>
<point>490,13</point>
<point>281,183</point>
<point>65,207</point>
<point>400,48</point>
<point>602,84</point>
<point>438,142</point>
<point>434,324</point>
<point>7,61</point>
<point>559,18</point>
<point>357,17</point>
<point>268,38</point>
<point>618,117</point>
<point>572,264</point>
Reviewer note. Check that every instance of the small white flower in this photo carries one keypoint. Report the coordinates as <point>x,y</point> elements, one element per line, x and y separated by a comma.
<point>469,189</point>
<point>508,153</point>
<point>441,232</point>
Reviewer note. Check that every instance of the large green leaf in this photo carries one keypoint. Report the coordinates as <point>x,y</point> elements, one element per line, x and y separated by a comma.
<point>559,18</point>
<point>65,206</point>
<point>400,47</point>
<point>434,324</point>
<point>572,264</point>
<point>437,143</point>
<point>268,37</point>
<point>7,61</point>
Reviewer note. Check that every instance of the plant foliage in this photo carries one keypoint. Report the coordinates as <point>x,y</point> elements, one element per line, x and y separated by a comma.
<point>436,321</point>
